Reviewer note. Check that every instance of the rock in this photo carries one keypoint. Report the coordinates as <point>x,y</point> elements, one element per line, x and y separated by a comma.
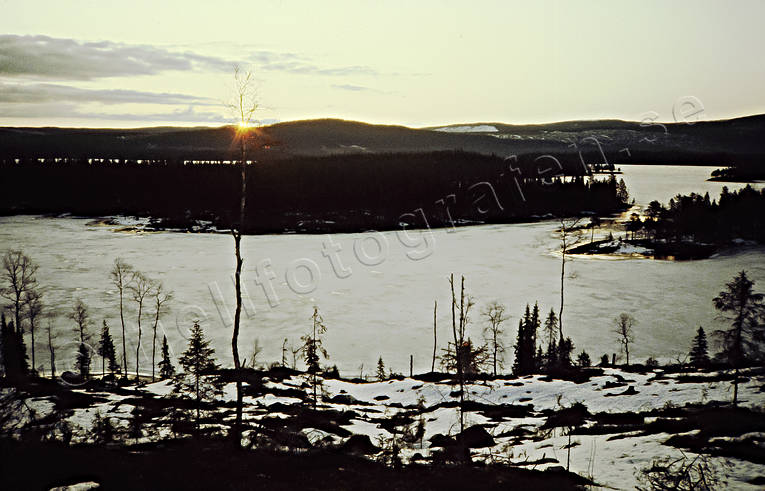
<point>359,445</point>
<point>344,399</point>
<point>381,398</point>
<point>476,437</point>
<point>439,440</point>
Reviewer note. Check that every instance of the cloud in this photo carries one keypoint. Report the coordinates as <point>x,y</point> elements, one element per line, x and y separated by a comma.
<point>352,88</point>
<point>306,68</point>
<point>40,93</point>
<point>71,111</point>
<point>68,59</point>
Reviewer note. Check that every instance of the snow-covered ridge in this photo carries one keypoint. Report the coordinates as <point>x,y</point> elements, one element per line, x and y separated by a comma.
<point>481,128</point>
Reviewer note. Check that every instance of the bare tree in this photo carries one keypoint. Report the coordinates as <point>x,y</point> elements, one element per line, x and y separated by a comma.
<point>120,275</point>
<point>624,324</point>
<point>257,349</point>
<point>160,298</point>
<point>569,236</point>
<point>34,310</point>
<point>495,315</point>
<point>461,345</point>
<point>140,286</point>
<point>19,277</point>
<point>244,106</point>
<point>79,314</point>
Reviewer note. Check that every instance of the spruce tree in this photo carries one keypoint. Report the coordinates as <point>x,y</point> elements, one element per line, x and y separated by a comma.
<point>745,309</point>
<point>381,370</point>
<point>166,368</point>
<point>313,349</point>
<point>565,348</point>
<point>82,363</point>
<point>551,331</point>
<point>106,349</point>
<point>525,346</point>
<point>13,352</point>
<point>583,360</point>
<point>520,345</point>
<point>699,353</point>
<point>197,361</point>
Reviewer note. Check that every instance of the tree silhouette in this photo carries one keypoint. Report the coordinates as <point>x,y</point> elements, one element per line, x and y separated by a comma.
<point>160,298</point>
<point>18,275</point>
<point>699,353</point>
<point>624,334</point>
<point>140,286</point>
<point>197,363</point>
<point>120,275</point>
<point>82,362</point>
<point>495,315</point>
<point>106,350</point>
<point>166,368</point>
<point>313,350</point>
<point>244,107</point>
<point>79,314</point>
<point>744,308</point>
<point>381,375</point>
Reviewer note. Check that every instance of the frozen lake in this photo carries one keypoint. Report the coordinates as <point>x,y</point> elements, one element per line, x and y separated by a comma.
<point>376,290</point>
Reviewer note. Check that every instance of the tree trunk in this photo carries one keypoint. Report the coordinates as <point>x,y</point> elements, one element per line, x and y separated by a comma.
<point>154,345</point>
<point>458,347</point>
<point>237,433</point>
<point>124,343</point>
<point>138,348</point>
<point>562,275</point>
<point>52,357</point>
<point>32,333</point>
<point>435,341</point>
<point>495,351</point>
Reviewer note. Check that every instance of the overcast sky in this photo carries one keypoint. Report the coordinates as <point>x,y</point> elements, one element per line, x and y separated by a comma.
<point>135,63</point>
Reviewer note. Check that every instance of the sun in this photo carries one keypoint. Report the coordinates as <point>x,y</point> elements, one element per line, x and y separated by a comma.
<point>243,125</point>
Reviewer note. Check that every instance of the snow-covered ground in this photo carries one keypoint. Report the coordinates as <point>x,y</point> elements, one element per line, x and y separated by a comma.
<point>611,459</point>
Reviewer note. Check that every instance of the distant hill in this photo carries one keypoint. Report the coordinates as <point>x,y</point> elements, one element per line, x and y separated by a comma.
<point>714,142</point>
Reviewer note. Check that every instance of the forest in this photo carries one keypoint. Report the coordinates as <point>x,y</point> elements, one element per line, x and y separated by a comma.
<point>346,193</point>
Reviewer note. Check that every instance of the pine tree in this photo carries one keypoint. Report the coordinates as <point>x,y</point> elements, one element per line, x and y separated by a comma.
<point>519,346</point>
<point>525,346</point>
<point>106,349</point>
<point>565,348</point>
<point>699,353</point>
<point>583,360</point>
<point>551,331</point>
<point>166,368</point>
<point>381,370</point>
<point>746,311</point>
<point>82,363</point>
<point>197,361</point>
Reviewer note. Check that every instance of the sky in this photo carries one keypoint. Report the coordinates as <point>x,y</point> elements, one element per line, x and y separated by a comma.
<point>425,63</point>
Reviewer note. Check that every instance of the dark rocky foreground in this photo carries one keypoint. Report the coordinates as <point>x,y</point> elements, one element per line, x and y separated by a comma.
<point>215,465</point>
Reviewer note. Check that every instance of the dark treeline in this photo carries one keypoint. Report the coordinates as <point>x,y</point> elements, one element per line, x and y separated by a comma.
<point>314,194</point>
<point>736,215</point>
